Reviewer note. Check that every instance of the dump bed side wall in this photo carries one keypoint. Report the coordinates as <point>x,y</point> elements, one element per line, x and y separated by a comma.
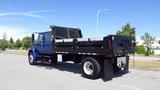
<point>109,46</point>
<point>80,47</point>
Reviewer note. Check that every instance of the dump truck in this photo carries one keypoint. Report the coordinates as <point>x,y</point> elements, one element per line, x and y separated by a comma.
<point>98,57</point>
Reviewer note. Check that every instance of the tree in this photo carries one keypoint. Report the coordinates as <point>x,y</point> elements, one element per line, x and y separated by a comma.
<point>127,30</point>
<point>11,43</point>
<point>3,42</point>
<point>2,47</point>
<point>26,42</point>
<point>148,40</point>
<point>11,40</point>
<point>140,49</point>
<point>18,44</point>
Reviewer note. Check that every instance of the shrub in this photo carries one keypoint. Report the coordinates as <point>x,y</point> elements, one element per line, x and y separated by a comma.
<point>140,49</point>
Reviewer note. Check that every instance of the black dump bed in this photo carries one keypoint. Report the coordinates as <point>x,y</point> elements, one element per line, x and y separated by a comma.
<point>70,41</point>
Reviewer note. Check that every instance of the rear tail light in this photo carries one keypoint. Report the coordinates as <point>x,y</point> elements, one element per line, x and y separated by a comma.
<point>110,45</point>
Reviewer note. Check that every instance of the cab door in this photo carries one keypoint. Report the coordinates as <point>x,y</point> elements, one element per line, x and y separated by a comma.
<point>39,44</point>
<point>47,47</point>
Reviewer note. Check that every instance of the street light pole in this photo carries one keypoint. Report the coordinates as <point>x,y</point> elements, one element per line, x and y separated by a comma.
<point>98,13</point>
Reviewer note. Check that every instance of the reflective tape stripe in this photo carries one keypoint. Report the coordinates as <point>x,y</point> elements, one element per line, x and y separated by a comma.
<point>80,53</point>
<point>89,53</point>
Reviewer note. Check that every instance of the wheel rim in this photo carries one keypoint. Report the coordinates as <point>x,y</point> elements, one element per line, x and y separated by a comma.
<point>31,58</point>
<point>88,68</point>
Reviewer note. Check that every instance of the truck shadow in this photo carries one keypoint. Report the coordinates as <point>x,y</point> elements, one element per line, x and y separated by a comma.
<point>62,66</point>
<point>120,74</point>
<point>75,68</point>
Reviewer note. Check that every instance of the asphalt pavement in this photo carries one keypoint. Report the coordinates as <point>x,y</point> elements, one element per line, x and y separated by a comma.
<point>17,74</point>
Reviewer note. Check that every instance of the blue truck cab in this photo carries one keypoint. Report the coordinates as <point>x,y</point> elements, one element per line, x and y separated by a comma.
<point>42,45</point>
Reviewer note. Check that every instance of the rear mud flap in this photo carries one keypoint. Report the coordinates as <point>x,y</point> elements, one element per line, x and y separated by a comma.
<point>108,71</point>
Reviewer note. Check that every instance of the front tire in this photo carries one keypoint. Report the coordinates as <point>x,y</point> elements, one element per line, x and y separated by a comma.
<point>90,68</point>
<point>31,59</point>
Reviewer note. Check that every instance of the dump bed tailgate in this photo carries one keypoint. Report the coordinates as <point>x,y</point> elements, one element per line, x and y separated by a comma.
<point>119,45</point>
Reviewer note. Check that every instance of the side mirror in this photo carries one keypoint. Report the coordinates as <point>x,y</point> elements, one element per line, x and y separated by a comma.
<point>32,39</point>
<point>134,43</point>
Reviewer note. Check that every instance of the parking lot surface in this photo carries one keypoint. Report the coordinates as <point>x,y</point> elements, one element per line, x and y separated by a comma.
<point>17,74</point>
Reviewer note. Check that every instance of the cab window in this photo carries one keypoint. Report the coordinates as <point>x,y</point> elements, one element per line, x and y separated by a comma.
<point>48,37</point>
<point>40,38</point>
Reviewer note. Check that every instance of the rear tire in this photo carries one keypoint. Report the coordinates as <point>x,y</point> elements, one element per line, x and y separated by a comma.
<point>90,68</point>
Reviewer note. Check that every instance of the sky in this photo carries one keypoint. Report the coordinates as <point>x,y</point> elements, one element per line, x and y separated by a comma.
<point>19,18</point>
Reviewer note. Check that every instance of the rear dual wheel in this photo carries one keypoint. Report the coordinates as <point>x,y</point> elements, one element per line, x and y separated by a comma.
<point>90,68</point>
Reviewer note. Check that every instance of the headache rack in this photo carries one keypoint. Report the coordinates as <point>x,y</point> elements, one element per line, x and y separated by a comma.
<point>65,32</point>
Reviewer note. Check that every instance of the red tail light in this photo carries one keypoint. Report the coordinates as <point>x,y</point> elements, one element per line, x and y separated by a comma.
<point>110,45</point>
